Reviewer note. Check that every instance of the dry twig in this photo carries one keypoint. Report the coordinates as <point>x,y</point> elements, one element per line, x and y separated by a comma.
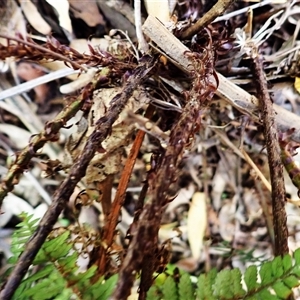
<point>273,149</point>
<point>213,13</point>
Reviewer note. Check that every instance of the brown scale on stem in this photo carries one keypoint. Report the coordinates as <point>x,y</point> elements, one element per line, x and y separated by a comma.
<point>144,247</point>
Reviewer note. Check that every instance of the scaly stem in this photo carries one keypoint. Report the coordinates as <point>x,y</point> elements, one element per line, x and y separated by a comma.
<point>273,149</point>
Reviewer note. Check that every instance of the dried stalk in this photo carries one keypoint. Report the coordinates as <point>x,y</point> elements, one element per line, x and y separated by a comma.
<point>144,244</point>
<point>273,149</point>
<point>56,51</point>
<point>63,193</point>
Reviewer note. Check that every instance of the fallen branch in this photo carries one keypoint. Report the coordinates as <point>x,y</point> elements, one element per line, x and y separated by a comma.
<point>208,18</point>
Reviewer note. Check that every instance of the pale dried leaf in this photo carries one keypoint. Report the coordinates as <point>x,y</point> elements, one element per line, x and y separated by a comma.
<point>13,205</point>
<point>227,220</point>
<point>11,19</point>
<point>34,17</point>
<point>189,264</point>
<point>62,8</point>
<point>17,135</point>
<point>159,9</point>
<point>80,82</point>
<point>219,184</point>
<point>183,197</point>
<point>88,13</point>
<point>197,222</point>
<point>110,161</point>
<point>166,231</point>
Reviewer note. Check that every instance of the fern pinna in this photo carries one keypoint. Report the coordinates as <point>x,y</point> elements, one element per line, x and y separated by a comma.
<point>273,280</point>
<point>54,273</point>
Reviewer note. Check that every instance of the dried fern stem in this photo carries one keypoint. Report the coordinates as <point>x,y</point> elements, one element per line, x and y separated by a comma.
<point>145,238</point>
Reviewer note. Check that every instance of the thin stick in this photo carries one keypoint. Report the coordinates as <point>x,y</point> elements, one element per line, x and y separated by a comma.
<point>213,13</point>
<point>112,219</point>
<point>143,45</point>
<point>273,149</point>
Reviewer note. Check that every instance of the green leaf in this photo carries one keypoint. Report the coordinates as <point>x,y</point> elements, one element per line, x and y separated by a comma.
<point>185,288</point>
<point>287,262</point>
<point>266,273</point>
<point>281,290</point>
<point>266,295</point>
<point>83,278</point>
<point>68,262</point>
<point>205,283</point>
<point>153,293</point>
<point>296,270</point>
<point>223,287</point>
<point>277,268</point>
<point>45,271</point>
<point>236,279</point>
<point>45,289</point>
<point>52,245</point>
<point>62,251</point>
<point>291,281</point>
<point>169,289</point>
<point>103,290</point>
<point>297,256</point>
<point>250,278</point>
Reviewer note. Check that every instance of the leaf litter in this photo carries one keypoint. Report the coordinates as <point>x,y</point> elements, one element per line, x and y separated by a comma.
<point>219,212</point>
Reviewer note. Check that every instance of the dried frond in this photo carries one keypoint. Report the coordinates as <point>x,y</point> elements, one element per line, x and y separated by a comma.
<point>20,47</point>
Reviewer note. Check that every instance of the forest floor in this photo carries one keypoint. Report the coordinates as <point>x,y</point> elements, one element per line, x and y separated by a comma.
<point>180,149</point>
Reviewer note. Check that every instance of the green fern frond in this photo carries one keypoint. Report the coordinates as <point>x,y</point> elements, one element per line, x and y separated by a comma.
<point>25,230</point>
<point>55,273</point>
<point>277,278</point>
<point>185,288</point>
<point>169,289</point>
<point>154,293</point>
<point>273,281</point>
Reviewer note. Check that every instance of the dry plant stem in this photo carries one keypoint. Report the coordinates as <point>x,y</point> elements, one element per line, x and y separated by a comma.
<point>45,50</point>
<point>144,244</point>
<point>174,50</point>
<point>275,165</point>
<point>213,13</point>
<point>109,229</point>
<point>63,193</point>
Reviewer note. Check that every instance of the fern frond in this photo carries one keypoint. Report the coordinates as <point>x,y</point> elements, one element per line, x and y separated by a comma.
<point>25,229</point>
<point>273,281</point>
<point>56,274</point>
<point>169,289</point>
<point>154,293</point>
<point>185,288</point>
<point>277,278</point>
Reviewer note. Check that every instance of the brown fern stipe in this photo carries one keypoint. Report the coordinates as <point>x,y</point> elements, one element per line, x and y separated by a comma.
<point>144,244</point>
